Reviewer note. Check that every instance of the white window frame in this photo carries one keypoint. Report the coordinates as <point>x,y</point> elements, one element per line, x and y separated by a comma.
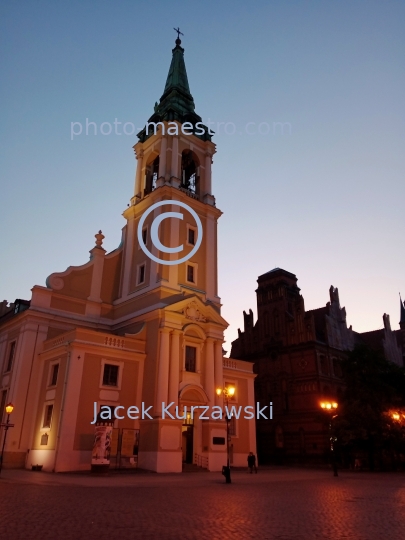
<point>120,365</point>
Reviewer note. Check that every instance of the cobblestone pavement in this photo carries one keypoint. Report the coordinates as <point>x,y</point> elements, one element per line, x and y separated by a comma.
<point>280,504</point>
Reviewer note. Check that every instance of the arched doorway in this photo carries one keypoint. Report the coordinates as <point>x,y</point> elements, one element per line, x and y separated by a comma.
<point>191,397</point>
<point>187,435</point>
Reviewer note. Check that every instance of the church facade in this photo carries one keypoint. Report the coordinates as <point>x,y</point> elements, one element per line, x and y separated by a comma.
<point>134,332</point>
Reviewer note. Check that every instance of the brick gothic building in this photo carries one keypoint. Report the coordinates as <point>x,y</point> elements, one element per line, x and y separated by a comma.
<point>297,356</point>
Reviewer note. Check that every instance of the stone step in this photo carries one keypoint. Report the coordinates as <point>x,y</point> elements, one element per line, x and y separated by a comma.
<point>188,467</point>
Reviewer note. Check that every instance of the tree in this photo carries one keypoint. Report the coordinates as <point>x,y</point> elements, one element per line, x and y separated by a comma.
<point>372,413</point>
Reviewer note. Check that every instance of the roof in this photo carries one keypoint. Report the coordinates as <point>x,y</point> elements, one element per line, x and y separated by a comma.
<point>373,339</point>
<point>280,271</point>
<point>176,103</point>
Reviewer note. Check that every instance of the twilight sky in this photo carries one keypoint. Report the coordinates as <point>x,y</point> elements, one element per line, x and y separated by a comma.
<point>326,202</point>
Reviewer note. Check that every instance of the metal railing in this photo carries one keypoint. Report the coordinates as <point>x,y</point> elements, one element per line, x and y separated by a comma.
<point>201,461</point>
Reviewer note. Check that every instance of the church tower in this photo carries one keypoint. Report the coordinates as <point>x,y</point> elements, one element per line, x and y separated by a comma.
<point>173,215</point>
<point>174,158</point>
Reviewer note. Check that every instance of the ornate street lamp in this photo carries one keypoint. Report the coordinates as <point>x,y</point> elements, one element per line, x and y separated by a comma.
<point>9,409</point>
<point>228,392</point>
<point>330,407</point>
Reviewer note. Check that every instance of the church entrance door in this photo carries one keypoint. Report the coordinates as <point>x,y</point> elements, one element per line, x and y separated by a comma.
<point>187,444</point>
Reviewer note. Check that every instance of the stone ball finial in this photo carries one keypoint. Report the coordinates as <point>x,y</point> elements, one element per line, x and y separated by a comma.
<point>99,239</point>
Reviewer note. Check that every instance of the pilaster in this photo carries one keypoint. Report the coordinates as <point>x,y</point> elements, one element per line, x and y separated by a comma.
<point>163,369</point>
<point>174,369</point>
<point>219,372</point>
<point>209,370</point>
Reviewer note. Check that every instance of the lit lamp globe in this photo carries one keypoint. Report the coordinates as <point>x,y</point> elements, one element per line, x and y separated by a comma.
<point>329,406</point>
<point>9,408</point>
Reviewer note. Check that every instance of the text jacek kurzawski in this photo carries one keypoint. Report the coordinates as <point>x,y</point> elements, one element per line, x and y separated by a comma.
<point>203,412</point>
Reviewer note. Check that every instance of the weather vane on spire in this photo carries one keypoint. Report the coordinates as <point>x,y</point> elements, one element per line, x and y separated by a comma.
<point>178,33</point>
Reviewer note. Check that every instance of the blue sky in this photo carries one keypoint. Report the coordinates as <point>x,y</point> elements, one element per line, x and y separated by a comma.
<point>325,202</point>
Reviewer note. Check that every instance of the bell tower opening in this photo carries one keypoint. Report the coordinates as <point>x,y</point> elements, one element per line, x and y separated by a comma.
<point>190,169</point>
<point>151,175</point>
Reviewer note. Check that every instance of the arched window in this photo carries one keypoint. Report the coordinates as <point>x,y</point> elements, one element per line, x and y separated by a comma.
<point>190,171</point>
<point>151,175</point>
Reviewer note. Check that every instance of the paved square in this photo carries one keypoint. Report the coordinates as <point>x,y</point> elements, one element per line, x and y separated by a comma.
<point>280,504</point>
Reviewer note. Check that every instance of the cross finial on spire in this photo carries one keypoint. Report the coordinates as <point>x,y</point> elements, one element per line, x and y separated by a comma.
<point>178,40</point>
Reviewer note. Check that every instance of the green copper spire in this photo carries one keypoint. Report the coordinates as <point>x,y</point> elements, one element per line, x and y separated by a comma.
<point>177,96</point>
<point>177,77</point>
<point>176,103</point>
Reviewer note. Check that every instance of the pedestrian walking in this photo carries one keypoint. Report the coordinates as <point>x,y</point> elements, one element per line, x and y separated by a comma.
<point>251,459</point>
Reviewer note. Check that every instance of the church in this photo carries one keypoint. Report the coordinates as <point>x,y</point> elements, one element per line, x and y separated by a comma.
<point>136,329</point>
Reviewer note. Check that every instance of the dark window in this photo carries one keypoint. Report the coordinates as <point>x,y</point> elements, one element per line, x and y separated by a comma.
<point>141,276</point>
<point>190,273</point>
<point>276,322</point>
<point>189,171</point>
<point>110,375</point>
<point>191,236</point>
<point>48,416</point>
<point>54,374</point>
<point>144,235</point>
<point>324,365</point>
<point>266,323</point>
<point>151,175</point>
<point>218,440</point>
<point>191,355</point>
<point>337,368</point>
<point>11,356</point>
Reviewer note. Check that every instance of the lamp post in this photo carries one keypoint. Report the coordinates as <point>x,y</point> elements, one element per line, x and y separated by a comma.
<point>228,392</point>
<point>330,407</point>
<point>9,409</point>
